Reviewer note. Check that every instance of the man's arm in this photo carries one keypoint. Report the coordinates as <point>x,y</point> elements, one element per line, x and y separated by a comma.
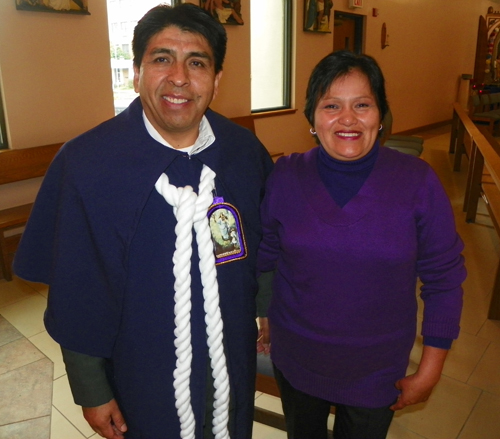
<point>106,420</point>
<point>91,389</point>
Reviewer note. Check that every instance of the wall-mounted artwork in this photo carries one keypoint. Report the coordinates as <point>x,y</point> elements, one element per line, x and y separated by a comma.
<point>225,11</point>
<point>317,15</point>
<point>60,6</point>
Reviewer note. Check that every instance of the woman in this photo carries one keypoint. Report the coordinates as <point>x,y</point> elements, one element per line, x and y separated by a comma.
<point>348,228</point>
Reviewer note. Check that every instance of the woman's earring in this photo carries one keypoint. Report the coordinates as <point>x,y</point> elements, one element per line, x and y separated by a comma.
<point>312,131</point>
<point>381,127</point>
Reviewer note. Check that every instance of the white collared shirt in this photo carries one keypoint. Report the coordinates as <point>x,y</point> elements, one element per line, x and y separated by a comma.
<point>205,137</point>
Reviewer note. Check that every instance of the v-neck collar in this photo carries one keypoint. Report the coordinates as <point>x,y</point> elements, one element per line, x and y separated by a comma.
<point>372,191</point>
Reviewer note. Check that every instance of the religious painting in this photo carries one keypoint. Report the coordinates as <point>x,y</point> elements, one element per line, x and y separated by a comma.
<point>224,11</point>
<point>317,15</point>
<point>227,233</point>
<point>60,6</point>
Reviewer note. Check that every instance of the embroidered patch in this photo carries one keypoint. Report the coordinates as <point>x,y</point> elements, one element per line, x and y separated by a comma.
<point>227,232</point>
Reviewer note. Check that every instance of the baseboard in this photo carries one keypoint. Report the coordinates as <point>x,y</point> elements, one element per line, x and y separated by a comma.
<point>424,128</point>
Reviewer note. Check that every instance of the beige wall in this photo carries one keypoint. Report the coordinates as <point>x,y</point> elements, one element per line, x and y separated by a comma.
<point>431,45</point>
<point>56,80</point>
<point>55,72</point>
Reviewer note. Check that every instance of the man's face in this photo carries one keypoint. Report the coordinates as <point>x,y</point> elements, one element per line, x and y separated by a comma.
<point>176,82</point>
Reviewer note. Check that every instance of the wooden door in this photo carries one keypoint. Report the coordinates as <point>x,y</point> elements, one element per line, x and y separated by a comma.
<point>347,32</point>
<point>481,51</point>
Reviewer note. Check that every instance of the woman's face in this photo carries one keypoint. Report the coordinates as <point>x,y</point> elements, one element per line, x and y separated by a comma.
<point>347,118</point>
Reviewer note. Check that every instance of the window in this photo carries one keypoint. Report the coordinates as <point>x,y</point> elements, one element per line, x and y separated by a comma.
<point>271,23</point>
<point>3,130</point>
<point>122,19</point>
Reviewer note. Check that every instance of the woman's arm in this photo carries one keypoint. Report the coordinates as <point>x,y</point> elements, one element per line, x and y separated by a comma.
<point>418,387</point>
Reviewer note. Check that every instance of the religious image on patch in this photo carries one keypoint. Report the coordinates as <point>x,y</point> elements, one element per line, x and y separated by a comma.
<point>227,233</point>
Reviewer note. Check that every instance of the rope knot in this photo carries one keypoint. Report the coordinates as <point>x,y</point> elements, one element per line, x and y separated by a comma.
<point>190,211</point>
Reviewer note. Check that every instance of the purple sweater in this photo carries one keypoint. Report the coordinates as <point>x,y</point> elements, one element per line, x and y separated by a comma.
<point>343,312</point>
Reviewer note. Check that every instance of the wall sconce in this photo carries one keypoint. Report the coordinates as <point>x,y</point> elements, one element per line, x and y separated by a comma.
<point>385,37</point>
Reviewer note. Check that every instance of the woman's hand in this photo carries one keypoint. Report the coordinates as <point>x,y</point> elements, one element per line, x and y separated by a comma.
<point>414,389</point>
<point>263,340</point>
<point>418,387</point>
<point>106,420</point>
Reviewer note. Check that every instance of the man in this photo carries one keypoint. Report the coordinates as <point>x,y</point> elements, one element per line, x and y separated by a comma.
<point>112,234</point>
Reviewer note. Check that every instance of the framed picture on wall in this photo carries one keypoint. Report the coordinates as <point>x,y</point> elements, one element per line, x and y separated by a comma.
<point>317,15</point>
<point>225,11</point>
<point>59,6</point>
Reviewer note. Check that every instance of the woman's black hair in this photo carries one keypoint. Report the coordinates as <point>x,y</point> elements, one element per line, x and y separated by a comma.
<point>187,17</point>
<point>336,65</point>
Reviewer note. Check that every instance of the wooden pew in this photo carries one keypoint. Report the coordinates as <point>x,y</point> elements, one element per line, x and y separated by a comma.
<point>264,379</point>
<point>481,111</point>
<point>265,383</point>
<point>24,164</point>
<point>249,122</point>
<point>483,180</point>
<point>18,165</point>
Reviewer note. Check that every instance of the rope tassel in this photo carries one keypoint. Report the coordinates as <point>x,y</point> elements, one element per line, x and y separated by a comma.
<point>190,211</point>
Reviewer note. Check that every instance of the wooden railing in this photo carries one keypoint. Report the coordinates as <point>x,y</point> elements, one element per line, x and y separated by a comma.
<point>483,178</point>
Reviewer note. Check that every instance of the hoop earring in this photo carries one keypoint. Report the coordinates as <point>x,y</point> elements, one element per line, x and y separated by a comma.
<point>312,131</point>
<point>381,127</point>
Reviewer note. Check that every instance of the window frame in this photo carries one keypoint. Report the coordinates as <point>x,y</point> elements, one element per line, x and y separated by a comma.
<point>287,63</point>
<point>4,142</point>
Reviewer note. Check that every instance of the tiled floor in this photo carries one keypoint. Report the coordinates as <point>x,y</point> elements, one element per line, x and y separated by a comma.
<point>464,405</point>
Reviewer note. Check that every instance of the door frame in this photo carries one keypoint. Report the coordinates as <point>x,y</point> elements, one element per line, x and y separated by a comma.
<point>359,21</point>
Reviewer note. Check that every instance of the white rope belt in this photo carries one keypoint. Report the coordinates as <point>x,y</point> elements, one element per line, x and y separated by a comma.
<point>190,210</point>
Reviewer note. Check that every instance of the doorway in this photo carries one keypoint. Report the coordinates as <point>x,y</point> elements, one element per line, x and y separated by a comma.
<point>348,32</point>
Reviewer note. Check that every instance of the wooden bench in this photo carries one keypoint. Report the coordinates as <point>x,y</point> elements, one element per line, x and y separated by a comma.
<point>483,180</point>
<point>266,383</point>
<point>483,110</point>
<point>412,145</point>
<point>264,379</point>
<point>249,122</point>
<point>24,164</point>
<point>18,165</point>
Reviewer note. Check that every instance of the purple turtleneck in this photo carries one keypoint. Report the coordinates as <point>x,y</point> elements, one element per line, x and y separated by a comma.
<point>343,179</point>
